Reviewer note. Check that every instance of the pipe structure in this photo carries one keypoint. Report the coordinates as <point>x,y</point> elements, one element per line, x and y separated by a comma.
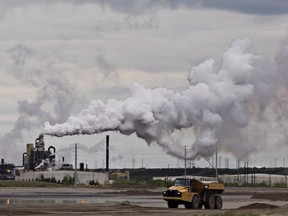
<point>23,159</point>
<point>52,147</point>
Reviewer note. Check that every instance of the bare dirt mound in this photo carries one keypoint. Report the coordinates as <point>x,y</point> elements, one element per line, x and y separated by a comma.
<point>259,206</point>
<point>135,192</point>
<point>142,192</point>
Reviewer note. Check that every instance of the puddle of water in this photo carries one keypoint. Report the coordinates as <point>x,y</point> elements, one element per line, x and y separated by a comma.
<point>78,200</point>
<point>16,201</point>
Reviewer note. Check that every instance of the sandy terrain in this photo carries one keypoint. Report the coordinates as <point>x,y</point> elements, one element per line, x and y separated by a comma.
<point>91,201</point>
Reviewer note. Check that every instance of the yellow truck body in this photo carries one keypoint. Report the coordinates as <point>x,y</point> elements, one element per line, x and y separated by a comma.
<point>194,194</point>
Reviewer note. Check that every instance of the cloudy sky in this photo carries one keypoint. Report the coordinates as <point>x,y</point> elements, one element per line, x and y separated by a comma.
<point>56,56</point>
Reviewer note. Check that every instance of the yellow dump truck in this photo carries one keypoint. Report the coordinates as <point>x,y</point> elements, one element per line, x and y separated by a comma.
<point>194,194</point>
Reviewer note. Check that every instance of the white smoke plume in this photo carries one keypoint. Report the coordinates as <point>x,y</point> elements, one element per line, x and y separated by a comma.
<point>51,92</point>
<point>222,106</point>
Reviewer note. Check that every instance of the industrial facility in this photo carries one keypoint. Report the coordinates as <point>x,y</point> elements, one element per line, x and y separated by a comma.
<point>40,163</point>
<point>37,158</point>
<point>7,171</point>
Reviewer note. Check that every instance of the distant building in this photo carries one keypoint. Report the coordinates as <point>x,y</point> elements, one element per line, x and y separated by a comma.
<point>37,157</point>
<point>254,179</point>
<point>119,175</point>
<point>7,171</point>
<point>82,177</point>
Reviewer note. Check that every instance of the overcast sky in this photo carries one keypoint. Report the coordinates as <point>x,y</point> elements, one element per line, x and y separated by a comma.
<point>57,56</point>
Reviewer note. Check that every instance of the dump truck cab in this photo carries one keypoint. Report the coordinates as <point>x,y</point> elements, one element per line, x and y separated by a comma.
<point>194,194</point>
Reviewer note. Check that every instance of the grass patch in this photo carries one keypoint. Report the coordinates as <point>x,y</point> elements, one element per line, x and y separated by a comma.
<point>8,183</point>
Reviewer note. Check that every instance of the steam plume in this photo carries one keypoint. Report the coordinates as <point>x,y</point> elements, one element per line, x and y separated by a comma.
<point>55,92</point>
<point>220,105</point>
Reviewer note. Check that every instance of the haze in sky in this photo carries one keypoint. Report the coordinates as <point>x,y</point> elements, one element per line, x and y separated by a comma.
<point>202,72</point>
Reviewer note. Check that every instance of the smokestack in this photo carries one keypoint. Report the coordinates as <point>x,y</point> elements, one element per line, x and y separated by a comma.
<point>81,166</point>
<point>2,161</point>
<point>107,153</point>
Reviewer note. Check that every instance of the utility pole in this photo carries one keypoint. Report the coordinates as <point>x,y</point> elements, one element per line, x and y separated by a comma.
<point>75,174</point>
<point>185,155</point>
<point>216,162</point>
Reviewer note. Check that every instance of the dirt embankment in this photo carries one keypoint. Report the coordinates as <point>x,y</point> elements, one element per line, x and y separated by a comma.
<point>136,192</point>
<point>259,206</point>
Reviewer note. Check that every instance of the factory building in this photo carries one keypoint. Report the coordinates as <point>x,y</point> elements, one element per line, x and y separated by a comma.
<point>7,171</point>
<point>37,158</point>
<point>39,164</point>
<point>83,178</point>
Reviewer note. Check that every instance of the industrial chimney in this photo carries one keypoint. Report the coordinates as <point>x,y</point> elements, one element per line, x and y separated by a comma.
<point>107,153</point>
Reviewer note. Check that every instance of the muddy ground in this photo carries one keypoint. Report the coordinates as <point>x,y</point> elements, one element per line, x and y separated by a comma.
<point>138,202</point>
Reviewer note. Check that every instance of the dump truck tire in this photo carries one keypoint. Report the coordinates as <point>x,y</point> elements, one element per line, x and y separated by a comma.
<point>172,204</point>
<point>195,202</point>
<point>210,204</point>
<point>218,202</point>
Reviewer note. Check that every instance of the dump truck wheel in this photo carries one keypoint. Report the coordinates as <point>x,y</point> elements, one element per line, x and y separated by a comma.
<point>172,204</point>
<point>218,202</point>
<point>195,202</point>
<point>210,204</point>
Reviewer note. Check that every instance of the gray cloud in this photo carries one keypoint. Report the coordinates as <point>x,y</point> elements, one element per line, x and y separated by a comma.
<point>108,70</point>
<point>258,7</point>
<point>113,91</point>
<point>4,84</point>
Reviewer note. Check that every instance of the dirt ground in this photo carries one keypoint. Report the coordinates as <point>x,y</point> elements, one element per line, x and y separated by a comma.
<point>138,202</point>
